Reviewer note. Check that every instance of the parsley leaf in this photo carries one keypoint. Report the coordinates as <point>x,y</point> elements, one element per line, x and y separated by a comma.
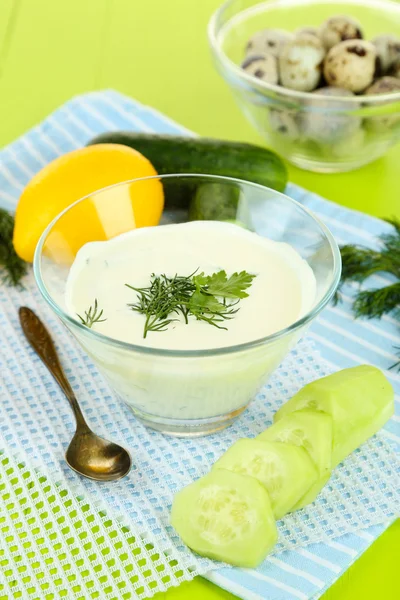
<point>218,284</point>
<point>207,308</point>
<point>200,302</point>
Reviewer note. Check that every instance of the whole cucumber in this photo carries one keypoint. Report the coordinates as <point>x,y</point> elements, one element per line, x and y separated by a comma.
<point>214,202</point>
<point>178,154</point>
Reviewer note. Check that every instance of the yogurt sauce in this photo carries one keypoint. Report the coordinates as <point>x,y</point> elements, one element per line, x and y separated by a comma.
<point>282,291</point>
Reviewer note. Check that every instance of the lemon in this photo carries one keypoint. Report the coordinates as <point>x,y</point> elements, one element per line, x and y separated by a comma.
<point>78,174</point>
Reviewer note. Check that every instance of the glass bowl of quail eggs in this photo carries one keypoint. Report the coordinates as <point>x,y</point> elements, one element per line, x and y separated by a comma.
<point>320,80</point>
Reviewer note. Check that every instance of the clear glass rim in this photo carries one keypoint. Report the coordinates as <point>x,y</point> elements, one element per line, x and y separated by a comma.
<point>191,353</point>
<point>213,30</point>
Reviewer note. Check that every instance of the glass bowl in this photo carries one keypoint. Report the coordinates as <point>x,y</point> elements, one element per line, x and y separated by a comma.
<point>317,133</point>
<point>192,392</point>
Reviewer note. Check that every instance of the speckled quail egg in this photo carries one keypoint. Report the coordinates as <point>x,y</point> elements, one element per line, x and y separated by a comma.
<point>338,29</point>
<point>300,63</point>
<point>388,49</point>
<point>307,29</point>
<point>321,123</point>
<point>351,65</point>
<point>268,40</point>
<point>385,85</point>
<point>395,70</point>
<point>262,66</point>
<point>284,123</point>
<point>349,147</point>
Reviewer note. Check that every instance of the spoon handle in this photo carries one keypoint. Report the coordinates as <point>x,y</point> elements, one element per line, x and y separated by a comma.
<point>40,340</point>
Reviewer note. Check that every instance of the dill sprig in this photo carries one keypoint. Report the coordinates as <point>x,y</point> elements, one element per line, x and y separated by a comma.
<point>164,296</point>
<point>12,267</point>
<point>92,316</point>
<point>360,262</point>
<point>377,302</point>
<point>209,298</point>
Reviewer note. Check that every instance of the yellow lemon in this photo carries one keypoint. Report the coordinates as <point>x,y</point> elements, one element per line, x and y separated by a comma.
<point>78,174</point>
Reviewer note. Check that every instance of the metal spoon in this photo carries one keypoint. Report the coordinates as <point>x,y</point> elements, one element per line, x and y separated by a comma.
<point>88,454</point>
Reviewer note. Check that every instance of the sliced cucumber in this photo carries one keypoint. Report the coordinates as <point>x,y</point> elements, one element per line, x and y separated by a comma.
<point>285,470</point>
<point>312,493</point>
<point>313,431</point>
<point>307,428</point>
<point>226,516</point>
<point>360,400</point>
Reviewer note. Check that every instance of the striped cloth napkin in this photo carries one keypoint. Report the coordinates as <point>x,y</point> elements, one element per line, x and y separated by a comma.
<point>304,573</point>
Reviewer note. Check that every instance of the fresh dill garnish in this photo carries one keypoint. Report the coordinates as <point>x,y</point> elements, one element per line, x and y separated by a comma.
<point>359,262</point>
<point>377,302</point>
<point>12,267</point>
<point>92,316</point>
<point>209,298</point>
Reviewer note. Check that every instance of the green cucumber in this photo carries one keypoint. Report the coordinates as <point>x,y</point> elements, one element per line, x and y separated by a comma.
<point>313,431</point>
<point>214,202</point>
<point>285,470</point>
<point>226,516</point>
<point>312,493</point>
<point>178,154</point>
<point>360,400</point>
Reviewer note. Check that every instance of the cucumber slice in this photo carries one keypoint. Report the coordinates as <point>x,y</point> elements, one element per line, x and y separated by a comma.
<point>360,400</point>
<point>307,428</point>
<point>312,493</point>
<point>313,431</point>
<point>226,516</point>
<point>286,471</point>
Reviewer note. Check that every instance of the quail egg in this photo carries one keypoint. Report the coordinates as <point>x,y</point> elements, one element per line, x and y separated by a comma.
<point>321,123</point>
<point>395,70</point>
<point>339,29</point>
<point>268,40</point>
<point>262,66</point>
<point>388,49</point>
<point>285,123</point>
<point>349,147</point>
<point>300,63</point>
<point>307,29</point>
<point>351,65</point>
<point>385,85</point>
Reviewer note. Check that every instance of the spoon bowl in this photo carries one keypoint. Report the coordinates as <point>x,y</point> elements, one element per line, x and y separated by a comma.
<point>88,454</point>
<point>96,458</point>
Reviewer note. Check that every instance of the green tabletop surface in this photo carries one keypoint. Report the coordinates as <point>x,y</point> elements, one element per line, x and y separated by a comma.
<point>157,52</point>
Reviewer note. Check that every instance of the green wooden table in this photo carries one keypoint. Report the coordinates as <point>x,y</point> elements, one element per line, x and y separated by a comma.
<point>157,52</point>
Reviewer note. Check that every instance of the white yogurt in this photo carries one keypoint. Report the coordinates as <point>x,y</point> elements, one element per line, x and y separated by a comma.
<point>187,395</point>
<point>282,291</point>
